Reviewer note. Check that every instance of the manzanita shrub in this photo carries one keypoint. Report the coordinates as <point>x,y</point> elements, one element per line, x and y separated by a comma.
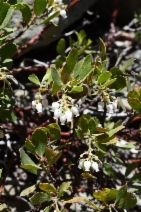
<point>75,79</point>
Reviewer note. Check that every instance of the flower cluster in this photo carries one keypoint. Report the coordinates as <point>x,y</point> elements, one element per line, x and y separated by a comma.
<point>87,165</point>
<point>64,109</point>
<point>111,108</point>
<point>58,6</point>
<point>36,104</point>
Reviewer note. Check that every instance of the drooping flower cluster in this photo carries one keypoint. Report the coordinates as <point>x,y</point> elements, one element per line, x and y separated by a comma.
<point>65,109</point>
<point>87,165</point>
<point>111,108</point>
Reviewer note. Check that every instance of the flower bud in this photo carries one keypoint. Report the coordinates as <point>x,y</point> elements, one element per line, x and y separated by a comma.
<point>39,107</point>
<point>94,166</point>
<point>63,119</point>
<point>109,108</point>
<point>57,113</point>
<point>55,20</point>
<point>80,165</point>
<point>68,115</point>
<point>33,104</point>
<point>87,165</point>
<point>55,105</point>
<point>75,111</point>
<point>63,13</point>
<point>101,106</point>
<point>58,1</point>
<point>114,103</point>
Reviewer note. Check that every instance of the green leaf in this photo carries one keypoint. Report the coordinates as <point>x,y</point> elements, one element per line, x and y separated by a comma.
<point>54,131</point>
<point>127,64</point>
<point>55,76</point>
<point>5,14</point>
<point>108,170</point>
<point>130,168</point>
<point>122,191</point>
<point>39,6</point>
<point>69,66</point>
<point>86,67</point>
<point>102,50</point>
<point>134,103</point>
<point>15,1</point>
<point>7,115</point>
<point>55,88</point>
<point>6,63</point>
<point>25,10</point>
<point>80,199</point>
<point>87,175</point>
<point>33,78</point>
<point>39,198</point>
<point>47,187</point>
<point>109,82</point>
<point>51,156</point>
<point>133,94</point>
<point>63,187</point>
<point>136,178</point>
<point>49,18</point>
<point>39,140</point>
<point>104,77</point>
<point>61,47</point>
<point>47,76</point>
<point>76,89</point>
<point>1,3</point>
<point>29,146</point>
<point>92,125</point>
<point>79,134</point>
<point>28,190</point>
<point>100,147</point>
<point>83,122</point>
<point>128,201</point>
<point>119,84</point>
<point>116,71</point>
<point>8,50</point>
<point>77,68</point>
<point>106,194</point>
<point>25,159</point>
<point>71,60</point>
<point>121,104</point>
<point>34,169</point>
<point>113,131</point>
<point>0,172</point>
<point>47,209</point>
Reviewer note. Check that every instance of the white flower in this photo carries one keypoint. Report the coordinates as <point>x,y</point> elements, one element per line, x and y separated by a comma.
<point>79,102</point>
<point>55,105</point>
<point>55,20</point>
<point>109,108</point>
<point>45,103</point>
<point>87,165</point>
<point>80,164</point>
<point>100,106</point>
<point>114,103</point>
<point>94,166</point>
<point>63,119</point>
<point>68,115</point>
<point>63,13</point>
<point>39,107</point>
<point>33,104</point>
<point>75,111</point>
<point>57,113</point>
<point>58,1</point>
